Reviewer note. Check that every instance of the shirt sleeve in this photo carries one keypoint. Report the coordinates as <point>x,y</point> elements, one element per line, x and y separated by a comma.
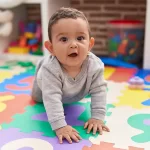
<point>52,96</point>
<point>98,91</point>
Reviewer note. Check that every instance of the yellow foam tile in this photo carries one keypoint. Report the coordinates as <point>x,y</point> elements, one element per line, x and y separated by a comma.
<point>108,72</point>
<point>5,75</point>
<point>133,98</point>
<point>5,98</point>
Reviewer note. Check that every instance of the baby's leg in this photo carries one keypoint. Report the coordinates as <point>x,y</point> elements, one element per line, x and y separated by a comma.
<point>36,91</point>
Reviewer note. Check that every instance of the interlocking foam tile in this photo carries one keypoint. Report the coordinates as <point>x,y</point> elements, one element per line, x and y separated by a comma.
<point>141,122</point>
<point>71,118</point>
<point>112,94</point>
<point>5,75</point>
<point>107,146</point>
<point>8,74</point>
<point>133,98</point>
<point>108,72</point>
<point>145,74</point>
<point>34,140</point>
<point>13,65</point>
<point>36,120</point>
<point>121,132</point>
<point>11,104</point>
<point>28,80</point>
<point>146,103</point>
<point>22,84</point>
<point>122,74</point>
<point>4,98</point>
<point>29,127</point>
<point>2,63</point>
<point>114,91</point>
<point>43,125</point>
<point>85,100</point>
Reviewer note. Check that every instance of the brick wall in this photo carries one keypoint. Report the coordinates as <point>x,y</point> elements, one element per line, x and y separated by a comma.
<point>33,12</point>
<point>99,12</point>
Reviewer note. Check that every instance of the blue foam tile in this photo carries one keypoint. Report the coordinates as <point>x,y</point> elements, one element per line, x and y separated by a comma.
<point>146,103</point>
<point>143,74</point>
<point>15,80</point>
<point>117,63</point>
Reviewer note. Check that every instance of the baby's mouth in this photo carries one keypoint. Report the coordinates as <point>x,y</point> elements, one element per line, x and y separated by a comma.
<point>73,55</point>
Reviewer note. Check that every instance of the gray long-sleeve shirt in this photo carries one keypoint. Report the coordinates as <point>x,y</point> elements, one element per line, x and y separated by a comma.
<point>57,87</point>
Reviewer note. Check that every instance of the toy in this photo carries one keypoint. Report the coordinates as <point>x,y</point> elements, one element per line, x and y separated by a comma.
<point>136,83</point>
<point>125,40</point>
<point>18,50</point>
<point>29,41</point>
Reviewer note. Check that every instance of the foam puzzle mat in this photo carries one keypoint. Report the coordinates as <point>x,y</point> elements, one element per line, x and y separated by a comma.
<point>24,124</point>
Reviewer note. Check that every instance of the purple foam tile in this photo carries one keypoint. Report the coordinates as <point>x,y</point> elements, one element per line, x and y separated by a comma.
<point>13,134</point>
<point>71,114</point>
<point>41,117</point>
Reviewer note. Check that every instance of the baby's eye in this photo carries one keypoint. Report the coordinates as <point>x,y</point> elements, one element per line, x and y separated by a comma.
<point>80,38</point>
<point>63,39</point>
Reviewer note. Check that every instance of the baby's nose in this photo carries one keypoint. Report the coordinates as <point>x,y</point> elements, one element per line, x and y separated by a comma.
<point>73,45</point>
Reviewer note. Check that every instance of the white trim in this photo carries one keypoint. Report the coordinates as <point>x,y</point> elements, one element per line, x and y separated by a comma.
<point>146,56</point>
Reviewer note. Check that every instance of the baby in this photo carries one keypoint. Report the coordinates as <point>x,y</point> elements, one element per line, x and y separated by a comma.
<point>69,73</point>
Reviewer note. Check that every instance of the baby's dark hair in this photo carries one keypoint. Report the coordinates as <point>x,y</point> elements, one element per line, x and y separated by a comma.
<point>65,13</point>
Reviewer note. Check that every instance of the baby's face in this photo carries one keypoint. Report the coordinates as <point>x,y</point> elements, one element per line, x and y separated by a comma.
<point>70,41</point>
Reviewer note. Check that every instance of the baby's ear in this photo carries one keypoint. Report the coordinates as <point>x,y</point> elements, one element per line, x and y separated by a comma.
<point>49,47</point>
<point>91,44</point>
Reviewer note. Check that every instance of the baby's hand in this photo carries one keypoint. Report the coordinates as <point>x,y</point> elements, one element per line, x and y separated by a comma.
<point>96,125</point>
<point>68,133</point>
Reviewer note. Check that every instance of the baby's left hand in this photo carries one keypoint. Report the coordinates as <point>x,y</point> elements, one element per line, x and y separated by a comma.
<point>96,125</point>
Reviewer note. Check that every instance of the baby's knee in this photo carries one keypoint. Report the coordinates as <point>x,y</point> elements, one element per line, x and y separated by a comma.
<point>37,99</point>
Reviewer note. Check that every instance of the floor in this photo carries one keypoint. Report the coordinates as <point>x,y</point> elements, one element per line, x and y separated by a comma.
<point>24,125</point>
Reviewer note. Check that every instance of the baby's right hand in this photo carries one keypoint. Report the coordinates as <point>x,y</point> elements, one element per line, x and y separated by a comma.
<point>68,133</point>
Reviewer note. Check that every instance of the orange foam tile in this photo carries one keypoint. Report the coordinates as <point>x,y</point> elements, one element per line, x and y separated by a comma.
<point>107,146</point>
<point>14,106</point>
<point>122,74</point>
<point>28,80</point>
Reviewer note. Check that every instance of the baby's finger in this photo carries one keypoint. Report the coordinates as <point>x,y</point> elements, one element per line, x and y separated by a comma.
<point>86,125</point>
<point>78,136</point>
<point>60,139</point>
<point>68,138</point>
<point>100,129</point>
<point>105,128</point>
<point>75,130</point>
<point>74,138</point>
<point>95,129</point>
<point>90,128</point>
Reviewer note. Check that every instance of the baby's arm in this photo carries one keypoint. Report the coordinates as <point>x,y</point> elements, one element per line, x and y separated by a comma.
<point>98,91</point>
<point>52,96</point>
